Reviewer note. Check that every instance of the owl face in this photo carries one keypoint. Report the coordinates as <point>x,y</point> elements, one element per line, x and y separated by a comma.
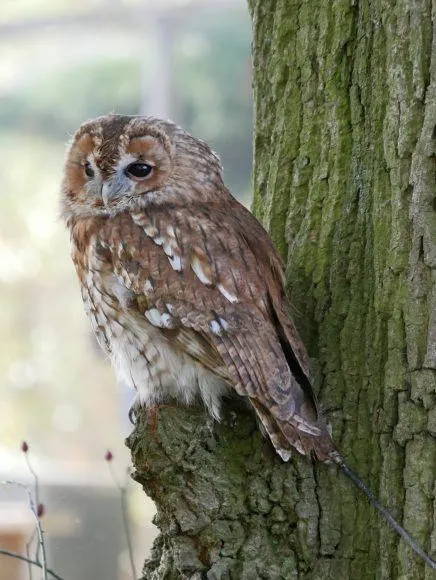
<point>119,163</point>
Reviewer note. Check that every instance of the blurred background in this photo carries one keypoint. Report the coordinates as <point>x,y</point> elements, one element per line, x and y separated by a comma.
<point>61,62</point>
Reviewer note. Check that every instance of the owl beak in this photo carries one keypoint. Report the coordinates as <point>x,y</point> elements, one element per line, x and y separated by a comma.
<point>113,189</point>
<point>106,194</point>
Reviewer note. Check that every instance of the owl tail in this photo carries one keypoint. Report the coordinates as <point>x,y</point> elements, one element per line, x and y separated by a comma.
<point>337,458</point>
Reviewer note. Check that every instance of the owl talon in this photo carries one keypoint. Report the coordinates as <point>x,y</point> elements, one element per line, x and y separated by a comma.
<point>134,411</point>
<point>132,415</point>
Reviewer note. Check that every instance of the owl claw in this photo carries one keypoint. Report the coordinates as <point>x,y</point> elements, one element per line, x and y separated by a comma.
<point>132,415</point>
<point>134,411</point>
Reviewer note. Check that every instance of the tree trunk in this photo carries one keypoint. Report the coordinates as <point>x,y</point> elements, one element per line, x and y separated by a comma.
<point>345,181</point>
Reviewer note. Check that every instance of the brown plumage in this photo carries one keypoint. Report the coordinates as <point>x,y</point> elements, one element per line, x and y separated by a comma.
<point>182,284</point>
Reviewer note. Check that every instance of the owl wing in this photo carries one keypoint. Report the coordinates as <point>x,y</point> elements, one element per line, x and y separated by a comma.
<point>211,280</point>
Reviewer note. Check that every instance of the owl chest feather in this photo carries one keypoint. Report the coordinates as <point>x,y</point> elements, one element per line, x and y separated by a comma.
<point>141,354</point>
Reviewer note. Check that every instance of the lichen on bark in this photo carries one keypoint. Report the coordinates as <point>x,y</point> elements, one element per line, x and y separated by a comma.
<point>345,181</point>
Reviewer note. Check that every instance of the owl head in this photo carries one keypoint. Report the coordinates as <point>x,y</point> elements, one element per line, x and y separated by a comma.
<point>122,163</point>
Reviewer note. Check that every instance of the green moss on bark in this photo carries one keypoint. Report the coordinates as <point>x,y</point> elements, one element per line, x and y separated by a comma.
<point>358,176</point>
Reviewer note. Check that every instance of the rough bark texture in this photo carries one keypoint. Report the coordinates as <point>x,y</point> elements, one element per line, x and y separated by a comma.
<point>345,181</point>
<point>228,507</point>
<point>345,142</point>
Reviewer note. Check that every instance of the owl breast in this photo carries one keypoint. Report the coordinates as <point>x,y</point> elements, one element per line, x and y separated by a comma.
<point>141,354</point>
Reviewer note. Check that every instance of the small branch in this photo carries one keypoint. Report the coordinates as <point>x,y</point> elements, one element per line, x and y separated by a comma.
<point>29,561</point>
<point>122,489</point>
<point>25,450</point>
<point>28,544</point>
<point>35,477</point>
<point>34,510</point>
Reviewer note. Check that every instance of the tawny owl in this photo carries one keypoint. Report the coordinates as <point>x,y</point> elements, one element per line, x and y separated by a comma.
<point>183,286</point>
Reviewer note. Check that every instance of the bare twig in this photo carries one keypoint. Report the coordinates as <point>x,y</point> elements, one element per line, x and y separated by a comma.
<point>29,561</point>
<point>34,510</point>
<point>34,474</point>
<point>36,484</point>
<point>123,495</point>
<point>25,450</point>
<point>28,544</point>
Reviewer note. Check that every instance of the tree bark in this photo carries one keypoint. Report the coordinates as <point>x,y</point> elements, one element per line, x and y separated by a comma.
<point>345,181</point>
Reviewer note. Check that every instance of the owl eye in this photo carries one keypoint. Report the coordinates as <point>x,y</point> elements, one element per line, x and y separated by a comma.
<point>89,172</point>
<point>138,170</point>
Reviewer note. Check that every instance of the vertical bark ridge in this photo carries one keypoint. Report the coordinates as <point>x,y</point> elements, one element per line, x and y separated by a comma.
<point>358,176</point>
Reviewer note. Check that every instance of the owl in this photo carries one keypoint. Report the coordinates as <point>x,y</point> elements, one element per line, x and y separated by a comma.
<point>183,287</point>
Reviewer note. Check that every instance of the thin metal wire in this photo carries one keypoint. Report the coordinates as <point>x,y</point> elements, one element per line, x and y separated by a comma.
<point>410,541</point>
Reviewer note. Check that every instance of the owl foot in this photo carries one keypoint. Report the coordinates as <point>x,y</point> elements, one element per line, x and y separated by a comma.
<point>132,416</point>
<point>152,412</point>
<point>134,411</point>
